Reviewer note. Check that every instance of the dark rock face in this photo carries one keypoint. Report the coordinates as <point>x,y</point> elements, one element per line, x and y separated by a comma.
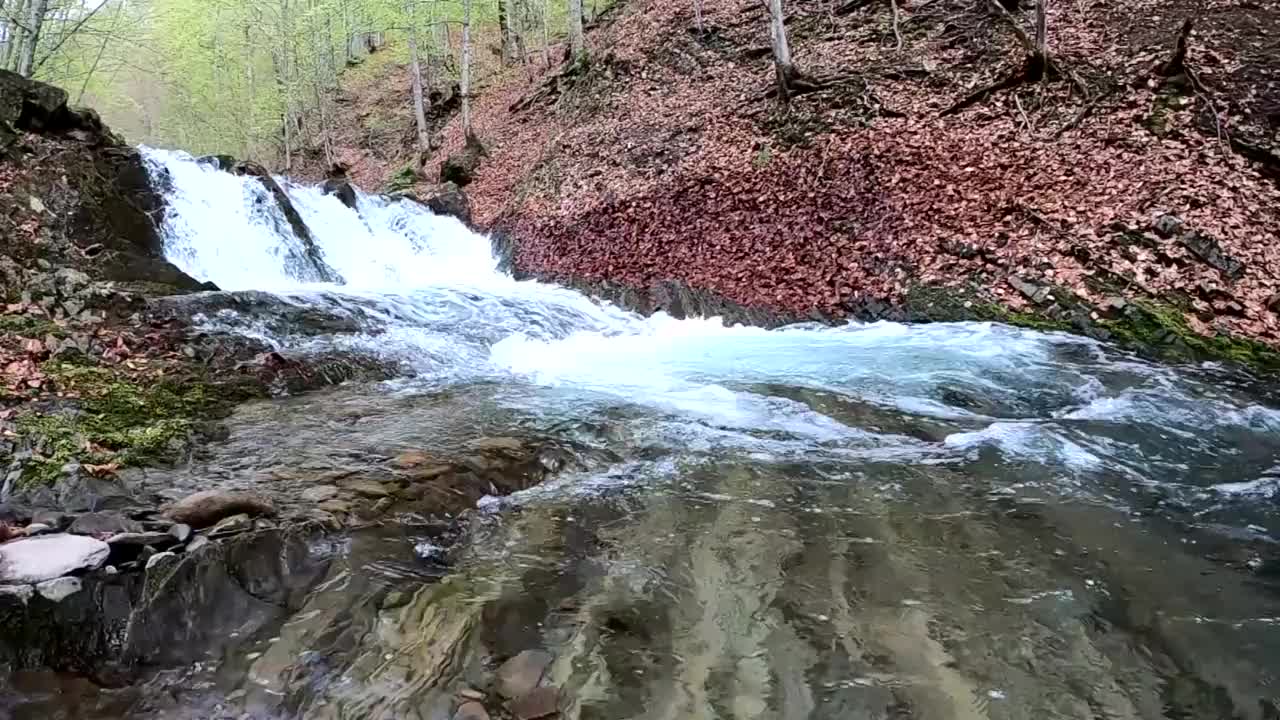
<point>459,167</point>
<point>305,262</point>
<point>336,184</point>
<point>447,199</point>
<point>220,162</point>
<point>87,202</point>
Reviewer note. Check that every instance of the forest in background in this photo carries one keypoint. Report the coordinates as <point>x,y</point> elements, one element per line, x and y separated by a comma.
<point>259,78</point>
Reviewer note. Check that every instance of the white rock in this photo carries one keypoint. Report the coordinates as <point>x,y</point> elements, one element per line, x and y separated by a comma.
<point>36,559</point>
<point>22,592</point>
<point>59,589</point>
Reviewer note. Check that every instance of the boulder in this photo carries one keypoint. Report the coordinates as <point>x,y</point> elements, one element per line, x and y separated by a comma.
<point>59,589</point>
<point>36,559</point>
<point>450,200</point>
<point>103,523</point>
<point>207,507</point>
<point>459,168</point>
<point>336,184</point>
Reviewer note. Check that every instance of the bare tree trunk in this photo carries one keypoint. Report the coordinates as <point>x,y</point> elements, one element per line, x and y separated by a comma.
<point>504,24</point>
<point>466,69</point>
<point>14,34</point>
<point>697,16</point>
<point>1042,36</point>
<point>546,35</point>
<point>782,66</point>
<point>415,69</point>
<point>35,21</point>
<point>577,41</point>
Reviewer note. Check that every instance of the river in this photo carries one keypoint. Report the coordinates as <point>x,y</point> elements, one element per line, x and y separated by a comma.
<point>870,521</point>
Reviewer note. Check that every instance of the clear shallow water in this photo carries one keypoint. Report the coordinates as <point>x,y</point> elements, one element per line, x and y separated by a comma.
<point>879,521</point>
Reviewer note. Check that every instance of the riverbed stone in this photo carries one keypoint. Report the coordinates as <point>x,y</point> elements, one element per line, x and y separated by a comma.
<point>59,589</point>
<point>37,529</point>
<point>319,493</point>
<point>539,702</point>
<point>197,543</point>
<point>103,523</point>
<point>471,710</point>
<point>207,507</point>
<point>520,674</point>
<point>36,559</point>
<point>497,444</point>
<point>233,524</point>
<point>366,488</point>
<point>180,532</point>
<point>140,538</point>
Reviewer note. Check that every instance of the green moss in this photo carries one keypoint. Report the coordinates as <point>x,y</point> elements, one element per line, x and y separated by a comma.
<point>403,179</point>
<point>30,326</point>
<point>1163,328</point>
<point>116,419</point>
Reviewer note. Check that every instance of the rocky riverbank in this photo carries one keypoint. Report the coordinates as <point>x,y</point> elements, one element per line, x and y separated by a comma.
<point>113,383</point>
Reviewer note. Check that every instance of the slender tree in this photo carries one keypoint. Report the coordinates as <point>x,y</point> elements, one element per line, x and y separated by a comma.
<point>35,23</point>
<point>465,80</point>
<point>415,70</point>
<point>782,66</point>
<point>1042,34</point>
<point>577,39</point>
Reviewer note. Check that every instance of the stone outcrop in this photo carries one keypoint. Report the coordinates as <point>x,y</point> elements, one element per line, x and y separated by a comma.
<point>87,203</point>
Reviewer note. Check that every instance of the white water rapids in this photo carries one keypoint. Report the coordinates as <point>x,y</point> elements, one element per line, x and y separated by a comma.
<point>1050,410</point>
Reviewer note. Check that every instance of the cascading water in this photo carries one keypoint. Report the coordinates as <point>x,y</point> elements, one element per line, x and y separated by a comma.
<point>953,520</point>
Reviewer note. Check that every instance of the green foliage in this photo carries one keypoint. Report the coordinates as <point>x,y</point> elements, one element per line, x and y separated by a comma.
<point>30,326</point>
<point>222,76</point>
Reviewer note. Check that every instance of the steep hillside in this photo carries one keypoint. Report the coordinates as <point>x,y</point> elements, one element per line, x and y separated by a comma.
<point>1134,198</point>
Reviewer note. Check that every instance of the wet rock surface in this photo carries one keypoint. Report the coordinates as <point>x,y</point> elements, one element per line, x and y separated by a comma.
<point>37,559</point>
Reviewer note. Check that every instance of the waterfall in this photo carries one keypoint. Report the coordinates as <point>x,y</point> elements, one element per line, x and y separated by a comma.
<point>443,307</point>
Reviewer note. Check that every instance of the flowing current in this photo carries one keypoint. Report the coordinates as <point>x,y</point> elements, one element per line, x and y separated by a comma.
<point>871,521</point>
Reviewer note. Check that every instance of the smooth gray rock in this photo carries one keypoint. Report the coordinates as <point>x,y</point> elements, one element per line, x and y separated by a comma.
<point>180,532</point>
<point>36,559</point>
<point>103,523</point>
<point>319,493</point>
<point>22,592</point>
<point>140,538</point>
<point>37,529</point>
<point>159,558</point>
<point>59,589</point>
<point>197,543</point>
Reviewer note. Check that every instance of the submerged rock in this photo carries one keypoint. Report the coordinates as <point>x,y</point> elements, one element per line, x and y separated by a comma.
<point>207,507</point>
<point>36,559</point>
<point>521,674</point>
<point>537,703</point>
<point>471,710</point>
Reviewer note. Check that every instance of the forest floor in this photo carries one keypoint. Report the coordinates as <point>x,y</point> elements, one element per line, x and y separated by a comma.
<point>1118,183</point>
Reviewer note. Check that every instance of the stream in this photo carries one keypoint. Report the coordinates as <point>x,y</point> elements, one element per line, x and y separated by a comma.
<point>946,521</point>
